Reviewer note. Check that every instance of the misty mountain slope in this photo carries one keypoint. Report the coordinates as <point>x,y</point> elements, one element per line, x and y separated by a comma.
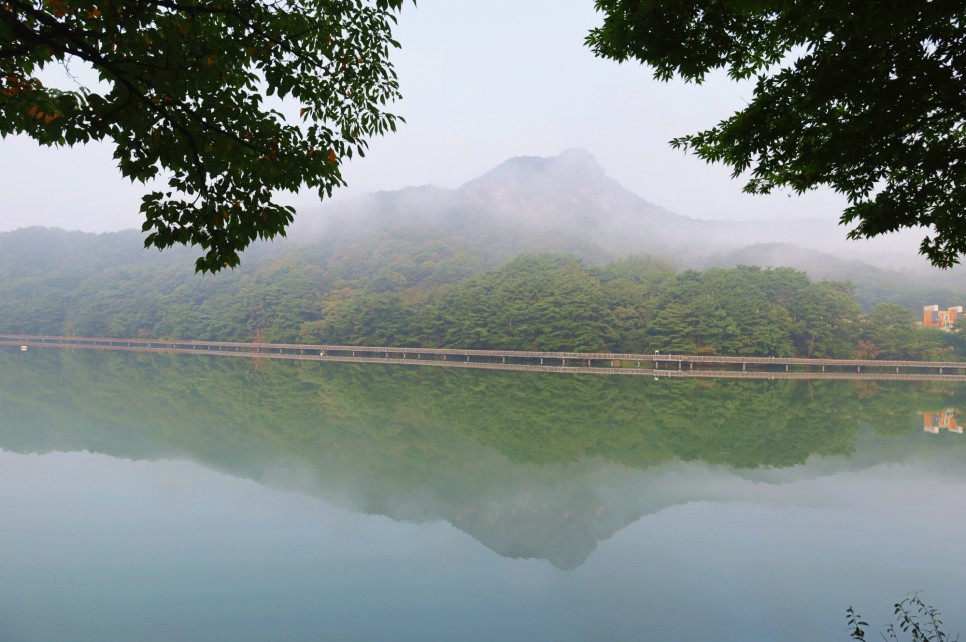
<point>568,203</point>
<point>526,204</point>
<point>572,194</point>
<point>557,202</point>
<point>434,213</point>
<point>872,284</point>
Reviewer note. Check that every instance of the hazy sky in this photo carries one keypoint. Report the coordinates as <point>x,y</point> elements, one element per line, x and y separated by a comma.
<point>482,83</point>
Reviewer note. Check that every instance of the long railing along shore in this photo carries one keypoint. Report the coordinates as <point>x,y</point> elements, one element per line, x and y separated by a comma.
<point>657,364</point>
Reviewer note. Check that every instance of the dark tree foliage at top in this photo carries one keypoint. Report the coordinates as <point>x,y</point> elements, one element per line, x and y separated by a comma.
<point>182,94</point>
<point>868,98</point>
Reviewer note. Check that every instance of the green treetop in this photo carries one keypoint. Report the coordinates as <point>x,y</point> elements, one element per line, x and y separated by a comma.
<point>865,98</point>
<point>182,96</point>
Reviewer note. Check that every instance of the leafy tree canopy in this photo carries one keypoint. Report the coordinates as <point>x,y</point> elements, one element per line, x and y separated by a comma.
<point>182,94</point>
<point>867,99</point>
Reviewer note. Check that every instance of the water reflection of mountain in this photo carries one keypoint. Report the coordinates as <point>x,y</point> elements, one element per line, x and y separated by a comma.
<point>543,466</point>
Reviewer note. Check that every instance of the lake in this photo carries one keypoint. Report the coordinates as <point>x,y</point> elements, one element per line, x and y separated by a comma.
<point>177,497</point>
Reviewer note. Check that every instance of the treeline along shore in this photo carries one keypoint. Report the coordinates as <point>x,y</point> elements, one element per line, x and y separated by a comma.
<point>413,292</point>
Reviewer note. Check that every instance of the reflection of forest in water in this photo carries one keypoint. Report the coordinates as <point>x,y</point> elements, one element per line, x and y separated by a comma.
<point>542,465</point>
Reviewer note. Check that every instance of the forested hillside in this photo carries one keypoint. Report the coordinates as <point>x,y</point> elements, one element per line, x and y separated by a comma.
<point>411,288</point>
<point>539,253</point>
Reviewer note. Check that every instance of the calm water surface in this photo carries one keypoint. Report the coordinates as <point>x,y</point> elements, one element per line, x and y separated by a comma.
<point>163,497</point>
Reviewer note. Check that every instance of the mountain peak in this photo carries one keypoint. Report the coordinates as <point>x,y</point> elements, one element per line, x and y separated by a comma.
<point>577,155</point>
<point>571,165</point>
<point>568,192</point>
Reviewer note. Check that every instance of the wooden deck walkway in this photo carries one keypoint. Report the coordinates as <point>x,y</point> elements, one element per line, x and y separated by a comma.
<point>658,365</point>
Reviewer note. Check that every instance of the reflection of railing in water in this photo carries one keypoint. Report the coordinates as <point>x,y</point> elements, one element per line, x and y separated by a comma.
<point>933,422</point>
<point>659,365</point>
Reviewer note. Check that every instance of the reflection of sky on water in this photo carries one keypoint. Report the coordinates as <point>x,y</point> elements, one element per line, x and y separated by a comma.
<point>96,548</point>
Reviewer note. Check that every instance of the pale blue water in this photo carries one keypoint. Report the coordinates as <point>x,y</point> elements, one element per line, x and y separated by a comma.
<point>116,529</point>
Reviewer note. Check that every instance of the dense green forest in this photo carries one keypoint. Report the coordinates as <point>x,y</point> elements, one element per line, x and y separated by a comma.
<point>410,289</point>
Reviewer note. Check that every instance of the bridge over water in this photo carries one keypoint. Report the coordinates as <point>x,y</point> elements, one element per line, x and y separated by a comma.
<point>657,364</point>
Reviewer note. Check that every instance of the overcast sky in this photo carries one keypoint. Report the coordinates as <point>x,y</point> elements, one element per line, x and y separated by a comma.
<point>482,83</point>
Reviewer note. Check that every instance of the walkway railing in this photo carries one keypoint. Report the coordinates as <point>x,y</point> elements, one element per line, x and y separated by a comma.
<point>657,364</point>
